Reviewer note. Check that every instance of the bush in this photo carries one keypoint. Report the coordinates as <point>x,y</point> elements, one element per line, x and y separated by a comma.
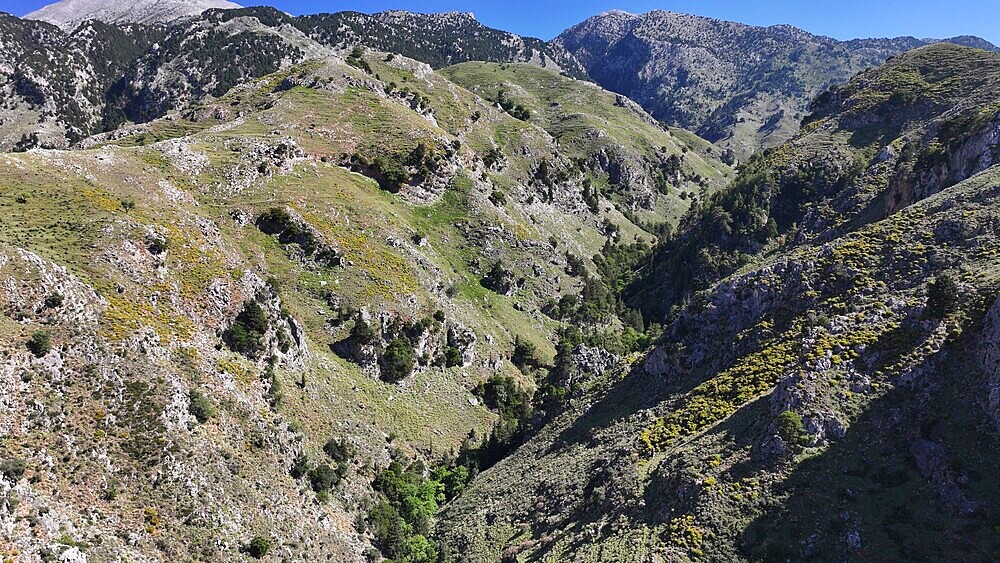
<point>362,332</point>
<point>525,354</point>
<point>40,343</point>
<point>258,547</point>
<point>13,469</point>
<point>790,429</point>
<point>157,244</point>
<point>246,336</point>
<point>323,478</point>
<point>201,407</point>
<point>942,296</point>
<point>398,360</point>
<point>453,357</point>
<point>340,450</point>
<point>54,301</point>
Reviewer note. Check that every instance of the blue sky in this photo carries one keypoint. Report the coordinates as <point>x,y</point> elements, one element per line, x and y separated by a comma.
<point>843,19</point>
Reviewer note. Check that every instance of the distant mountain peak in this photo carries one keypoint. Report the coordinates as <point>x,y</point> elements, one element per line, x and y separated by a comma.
<point>68,14</point>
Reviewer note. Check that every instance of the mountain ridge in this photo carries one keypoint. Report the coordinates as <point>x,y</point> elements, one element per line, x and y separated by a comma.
<point>68,14</point>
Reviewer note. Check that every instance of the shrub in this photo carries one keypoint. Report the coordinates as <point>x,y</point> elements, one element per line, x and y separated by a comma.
<point>246,336</point>
<point>40,343</point>
<point>323,478</point>
<point>362,332</point>
<point>340,450</point>
<point>128,204</point>
<point>525,354</point>
<point>53,301</point>
<point>200,406</point>
<point>258,547</point>
<point>453,357</point>
<point>13,469</point>
<point>942,296</point>
<point>157,244</point>
<point>398,360</point>
<point>790,429</point>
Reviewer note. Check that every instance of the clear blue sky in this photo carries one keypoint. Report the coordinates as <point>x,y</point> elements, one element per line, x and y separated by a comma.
<point>843,19</point>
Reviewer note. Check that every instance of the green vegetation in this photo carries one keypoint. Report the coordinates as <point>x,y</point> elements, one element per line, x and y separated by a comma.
<point>13,468</point>
<point>942,296</point>
<point>40,343</point>
<point>246,335</point>
<point>258,547</point>
<point>398,360</point>
<point>200,406</point>
<point>790,429</point>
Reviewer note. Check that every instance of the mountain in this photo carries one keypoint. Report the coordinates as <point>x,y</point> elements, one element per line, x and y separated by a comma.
<point>232,321</point>
<point>827,393</point>
<point>54,84</point>
<point>402,287</point>
<point>437,39</point>
<point>742,86</point>
<point>68,14</point>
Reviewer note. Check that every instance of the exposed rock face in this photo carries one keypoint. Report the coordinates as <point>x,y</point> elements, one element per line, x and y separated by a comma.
<point>746,87</point>
<point>68,14</point>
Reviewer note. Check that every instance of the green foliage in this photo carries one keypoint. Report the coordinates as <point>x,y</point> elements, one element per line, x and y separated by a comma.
<point>340,451</point>
<point>498,279</point>
<point>323,478</point>
<point>525,354</point>
<point>453,357</point>
<point>516,110</point>
<point>246,335</point>
<point>362,332</point>
<point>942,296</point>
<point>790,429</point>
<point>40,343</point>
<point>258,547</point>
<point>398,360</point>
<point>157,244</point>
<point>54,301</point>
<point>502,394</point>
<point>200,406</point>
<point>400,522</point>
<point>13,468</point>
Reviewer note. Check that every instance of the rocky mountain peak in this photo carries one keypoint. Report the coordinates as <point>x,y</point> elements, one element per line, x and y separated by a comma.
<point>68,14</point>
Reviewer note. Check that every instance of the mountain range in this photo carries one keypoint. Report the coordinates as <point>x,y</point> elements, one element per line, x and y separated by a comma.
<point>402,287</point>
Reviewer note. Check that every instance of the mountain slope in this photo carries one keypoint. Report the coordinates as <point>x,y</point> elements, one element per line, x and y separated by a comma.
<point>743,86</point>
<point>892,136</point>
<point>832,398</point>
<point>437,39</point>
<point>68,14</point>
<point>203,302</point>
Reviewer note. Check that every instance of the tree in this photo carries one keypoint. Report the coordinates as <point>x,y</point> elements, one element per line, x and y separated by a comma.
<point>791,430</point>
<point>40,343</point>
<point>258,547</point>
<point>398,360</point>
<point>942,296</point>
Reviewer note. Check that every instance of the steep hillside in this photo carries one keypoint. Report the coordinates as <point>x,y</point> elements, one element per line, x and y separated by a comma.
<point>646,169</point>
<point>229,322</point>
<point>68,14</point>
<point>53,84</point>
<point>834,397</point>
<point>745,87</point>
<point>437,39</point>
<point>890,137</point>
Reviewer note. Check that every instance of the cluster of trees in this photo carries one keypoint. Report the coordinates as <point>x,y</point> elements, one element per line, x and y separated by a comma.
<point>325,475</point>
<point>393,171</point>
<point>514,109</point>
<point>398,357</point>
<point>278,222</point>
